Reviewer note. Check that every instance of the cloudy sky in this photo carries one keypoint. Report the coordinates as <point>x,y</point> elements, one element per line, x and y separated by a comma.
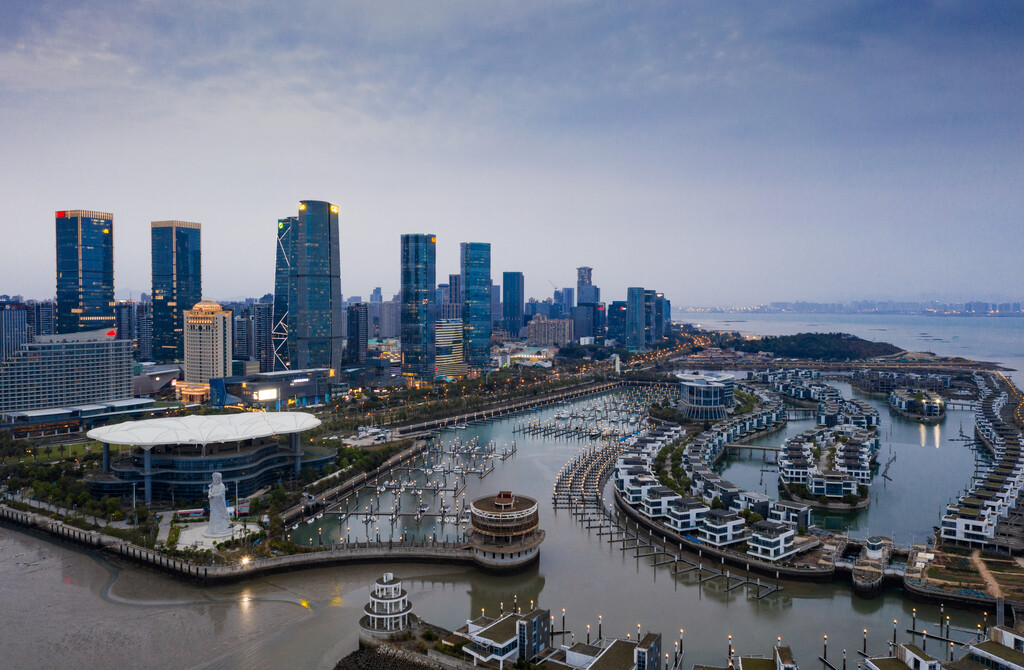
<point>720,152</point>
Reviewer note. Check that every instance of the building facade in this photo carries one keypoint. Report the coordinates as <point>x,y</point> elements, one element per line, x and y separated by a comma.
<point>279,328</point>
<point>358,331</point>
<point>450,359</point>
<point>14,330</point>
<point>85,271</point>
<point>207,343</point>
<point>41,317</point>
<point>175,458</point>
<point>177,283</point>
<point>705,397</point>
<point>419,305</point>
<point>315,311</point>
<point>263,338</point>
<point>586,292</point>
<point>513,304</point>
<point>545,332</point>
<point>475,263</point>
<point>636,318</point>
<point>66,370</point>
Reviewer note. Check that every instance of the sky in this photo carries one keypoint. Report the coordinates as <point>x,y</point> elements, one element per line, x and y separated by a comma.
<point>723,153</point>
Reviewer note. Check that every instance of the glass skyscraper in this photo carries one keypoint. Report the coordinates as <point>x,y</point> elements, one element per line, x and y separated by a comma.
<point>85,271</point>
<point>475,264</point>
<point>636,318</point>
<point>177,284</point>
<point>315,311</point>
<point>513,303</point>
<point>419,305</point>
<point>279,322</point>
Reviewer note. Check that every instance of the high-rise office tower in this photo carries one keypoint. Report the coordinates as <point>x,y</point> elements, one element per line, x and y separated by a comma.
<point>315,311</point>
<point>376,296</point>
<point>144,329</point>
<point>243,340</point>
<point>586,292</point>
<point>177,283</point>
<point>475,262</point>
<point>85,271</point>
<point>451,362</point>
<point>617,321</point>
<point>207,343</point>
<point>279,327</point>
<point>263,317</point>
<point>13,328</point>
<point>636,318</point>
<point>513,302</point>
<point>41,316</point>
<point>495,304</point>
<point>126,321</point>
<point>419,309</point>
<point>455,288</point>
<point>358,327</point>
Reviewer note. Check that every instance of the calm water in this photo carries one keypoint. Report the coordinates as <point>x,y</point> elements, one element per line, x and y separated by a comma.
<point>985,339</point>
<point>931,465</point>
<point>69,611</point>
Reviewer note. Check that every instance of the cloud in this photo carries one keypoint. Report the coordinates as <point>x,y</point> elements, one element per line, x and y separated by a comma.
<point>654,142</point>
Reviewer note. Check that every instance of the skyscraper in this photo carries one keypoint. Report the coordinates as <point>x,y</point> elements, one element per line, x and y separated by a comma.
<point>40,317</point>
<point>315,310</point>
<point>617,321</point>
<point>586,292</point>
<point>207,343</point>
<point>636,318</point>
<point>419,309</point>
<point>358,326</point>
<point>177,283</point>
<point>263,316</point>
<point>475,263</point>
<point>126,320</point>
<point>451,363</point>
<point>13,328</point>
<point>513,301</point>
<point>85,271</point>
<point>279,327</point>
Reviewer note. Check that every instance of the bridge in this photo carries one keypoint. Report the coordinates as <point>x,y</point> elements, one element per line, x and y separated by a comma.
<point>755,447</point>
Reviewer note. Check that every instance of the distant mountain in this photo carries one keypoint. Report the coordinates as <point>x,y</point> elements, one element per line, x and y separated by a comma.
<point>819,346</point>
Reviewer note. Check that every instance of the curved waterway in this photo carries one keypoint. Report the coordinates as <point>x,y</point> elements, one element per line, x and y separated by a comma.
<point>66,607</point>
<point>928,467</point>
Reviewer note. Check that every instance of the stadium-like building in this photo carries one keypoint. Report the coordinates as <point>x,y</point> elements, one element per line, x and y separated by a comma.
<point>174,458</point>
<point>705,397</point>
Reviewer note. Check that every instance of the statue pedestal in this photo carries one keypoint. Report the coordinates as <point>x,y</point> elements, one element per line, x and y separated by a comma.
<point>197,535</point>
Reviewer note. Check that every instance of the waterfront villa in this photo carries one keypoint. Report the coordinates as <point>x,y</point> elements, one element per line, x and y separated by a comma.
<point>977,518</point>
<point>771,541</point>
<point>918,404</point>
<point>722,528</point>
<point>686,514</point>
<point>510,637</point>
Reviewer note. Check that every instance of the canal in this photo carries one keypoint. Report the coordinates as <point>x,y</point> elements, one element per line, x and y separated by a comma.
<point>72,607</point>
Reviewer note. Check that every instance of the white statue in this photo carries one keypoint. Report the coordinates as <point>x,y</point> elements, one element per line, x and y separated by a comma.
<point>219,525</point>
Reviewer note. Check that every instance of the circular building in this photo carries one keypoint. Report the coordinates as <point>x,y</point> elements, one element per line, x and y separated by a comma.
<point>387,613</point>
<point>706,397</point>
<point>174,458</point>
<point>505,531</point>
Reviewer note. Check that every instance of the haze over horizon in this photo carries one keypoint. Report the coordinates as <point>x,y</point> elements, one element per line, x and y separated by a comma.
<point>735,154</point>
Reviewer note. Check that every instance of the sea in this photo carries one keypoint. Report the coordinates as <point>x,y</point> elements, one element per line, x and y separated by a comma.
<point>993,339</point>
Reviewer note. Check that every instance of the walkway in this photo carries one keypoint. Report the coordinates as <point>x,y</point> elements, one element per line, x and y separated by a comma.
<point>993,585</point>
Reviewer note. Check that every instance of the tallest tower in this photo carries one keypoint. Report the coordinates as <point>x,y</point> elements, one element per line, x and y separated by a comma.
<point>314,288</point>
<point>85,271</point>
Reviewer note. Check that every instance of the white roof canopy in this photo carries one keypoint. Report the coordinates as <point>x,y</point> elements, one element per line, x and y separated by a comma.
<point>196,429</point>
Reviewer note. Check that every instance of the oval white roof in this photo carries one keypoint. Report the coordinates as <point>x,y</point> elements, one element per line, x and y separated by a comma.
<point>208,429</point>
